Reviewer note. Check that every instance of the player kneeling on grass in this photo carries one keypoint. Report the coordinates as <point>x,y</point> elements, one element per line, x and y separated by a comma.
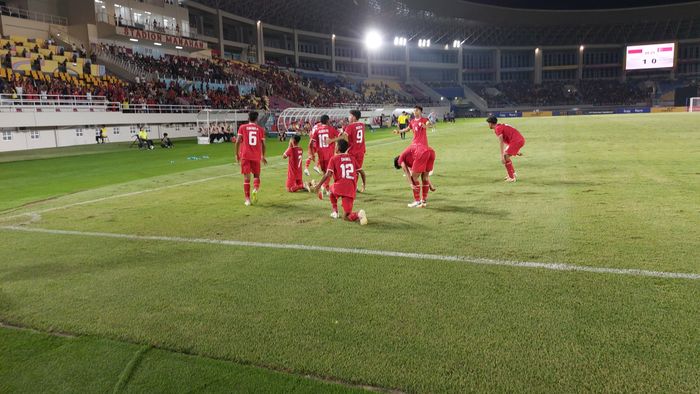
<point>250,151</point>
<point>511,142</point>
<point>417,162</point>
<point>295,155</point>
<point>344,169</point>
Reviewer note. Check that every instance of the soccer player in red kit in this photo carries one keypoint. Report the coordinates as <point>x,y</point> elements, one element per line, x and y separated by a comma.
<point>344,169</point>
<point>295,180</point>
<point>325,149</point>
<point>354,134</point>
<point>417,162</point>
<point>511,142</point>
<point>313,151</point>
<point>419,126</point>
<point>250,151</point>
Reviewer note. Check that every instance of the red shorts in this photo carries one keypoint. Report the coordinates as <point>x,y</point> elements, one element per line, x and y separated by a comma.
<point>424,162</point>
<point>514,147</point>
<point>250,167</point>
<point>323,163</point>
<point>343,190</point>
<point>360,159</point>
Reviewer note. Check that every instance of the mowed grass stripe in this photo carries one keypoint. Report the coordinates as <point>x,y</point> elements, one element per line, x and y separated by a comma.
<point>373,320</point>
<point>369,252</point>
<point>41,362</point>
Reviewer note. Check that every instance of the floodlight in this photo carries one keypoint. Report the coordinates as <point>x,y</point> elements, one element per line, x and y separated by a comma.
<point>373,40</point>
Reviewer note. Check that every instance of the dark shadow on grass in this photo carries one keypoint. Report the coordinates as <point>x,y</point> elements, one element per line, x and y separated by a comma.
<point>468,210</point>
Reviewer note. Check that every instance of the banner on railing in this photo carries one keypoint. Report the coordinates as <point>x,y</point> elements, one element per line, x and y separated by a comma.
<point>49,66</point>
<point>21,64</point>
<point>97,70</point>
<point>507,114</point>
<point>160,37</point>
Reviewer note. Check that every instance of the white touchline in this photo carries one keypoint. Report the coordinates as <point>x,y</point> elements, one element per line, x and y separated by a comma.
<point>370,252</point>
<point>134,193</point>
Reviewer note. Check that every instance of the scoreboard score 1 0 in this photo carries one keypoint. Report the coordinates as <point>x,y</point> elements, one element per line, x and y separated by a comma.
<point>643,57</point>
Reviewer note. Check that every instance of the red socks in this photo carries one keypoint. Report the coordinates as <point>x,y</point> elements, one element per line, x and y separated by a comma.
<point>308,162</point>
<point>256,183</point>
<point>426,189</point>
<point>510,169</point>
<point>246,189</point>
<point>416,190</point>
<point>353,217</point>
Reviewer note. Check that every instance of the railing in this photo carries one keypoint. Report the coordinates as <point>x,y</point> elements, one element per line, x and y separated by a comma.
<point>173,31</point>
<point>55,103</point>
<point>162,109</point>
<point>59,103</point>
<point>373,107</point>
<point>35,16</point>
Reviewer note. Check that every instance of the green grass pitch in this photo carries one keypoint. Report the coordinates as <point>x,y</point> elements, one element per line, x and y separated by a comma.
<point>183,313</point>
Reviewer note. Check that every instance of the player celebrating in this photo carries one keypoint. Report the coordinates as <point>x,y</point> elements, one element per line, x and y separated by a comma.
<point>322,137</point>
<point>354,135</point>
<point>511,142</point>
<point>344,169</point>
<point>294,154</point>
<point>313,151</point>
<point>250,151</point>
<point>417,162</point>
<point>419,125</point>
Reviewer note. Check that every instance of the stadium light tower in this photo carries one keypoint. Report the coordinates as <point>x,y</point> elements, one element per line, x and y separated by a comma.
<point>456,44</point>
<point>400,41</point>
<point>373,40</point>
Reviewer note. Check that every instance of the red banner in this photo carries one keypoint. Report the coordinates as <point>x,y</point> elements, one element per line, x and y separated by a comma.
<point>159,37</point>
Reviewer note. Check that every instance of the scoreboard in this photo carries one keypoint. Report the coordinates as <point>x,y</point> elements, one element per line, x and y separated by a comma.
<point>644,57</point>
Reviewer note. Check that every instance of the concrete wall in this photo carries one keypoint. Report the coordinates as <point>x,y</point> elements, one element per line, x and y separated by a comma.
<point>71,136</point>
<point>24,27</point>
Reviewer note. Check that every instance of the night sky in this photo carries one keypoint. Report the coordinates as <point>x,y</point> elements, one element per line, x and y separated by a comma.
<point>575,4</point>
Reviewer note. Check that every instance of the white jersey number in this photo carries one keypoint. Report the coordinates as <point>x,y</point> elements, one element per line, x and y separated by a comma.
<point>323,140</point>
<point>252,139</point>
<point>348,171</point>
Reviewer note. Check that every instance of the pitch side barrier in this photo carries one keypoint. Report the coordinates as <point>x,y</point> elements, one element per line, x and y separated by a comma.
<point>590,111</point>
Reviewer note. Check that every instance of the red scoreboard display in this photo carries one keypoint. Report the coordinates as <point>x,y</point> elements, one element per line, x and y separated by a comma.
<point>644,57</point>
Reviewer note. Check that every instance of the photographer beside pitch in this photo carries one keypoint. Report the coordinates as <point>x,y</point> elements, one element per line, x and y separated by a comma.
<point>511,142</point>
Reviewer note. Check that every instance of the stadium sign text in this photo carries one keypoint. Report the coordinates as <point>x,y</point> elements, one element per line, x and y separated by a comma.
<point>159,37</point>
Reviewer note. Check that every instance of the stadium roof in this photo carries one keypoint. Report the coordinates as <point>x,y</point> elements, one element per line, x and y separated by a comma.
<point>476,24</point>
<point>576,4</point>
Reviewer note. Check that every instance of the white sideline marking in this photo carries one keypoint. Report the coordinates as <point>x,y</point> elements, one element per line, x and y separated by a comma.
<point>134,193</point>
<point>370,252</point>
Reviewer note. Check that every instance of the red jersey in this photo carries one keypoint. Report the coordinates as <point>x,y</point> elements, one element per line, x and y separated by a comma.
<point>250,138</point>
<point>294,174</point>
<point>509,133</point>
<point>407,157</point>
<point>420,131</point>
<point>356,138</point>
<point>344,169</point>
<point>321,136</point>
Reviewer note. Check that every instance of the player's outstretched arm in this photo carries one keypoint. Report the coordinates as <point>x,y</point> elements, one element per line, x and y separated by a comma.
<point>407,171</point>
<point>502,150</point>
<point>321,182</point>
<point>237,150</point>
<point>264,160</point>
<point>342,136</point>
